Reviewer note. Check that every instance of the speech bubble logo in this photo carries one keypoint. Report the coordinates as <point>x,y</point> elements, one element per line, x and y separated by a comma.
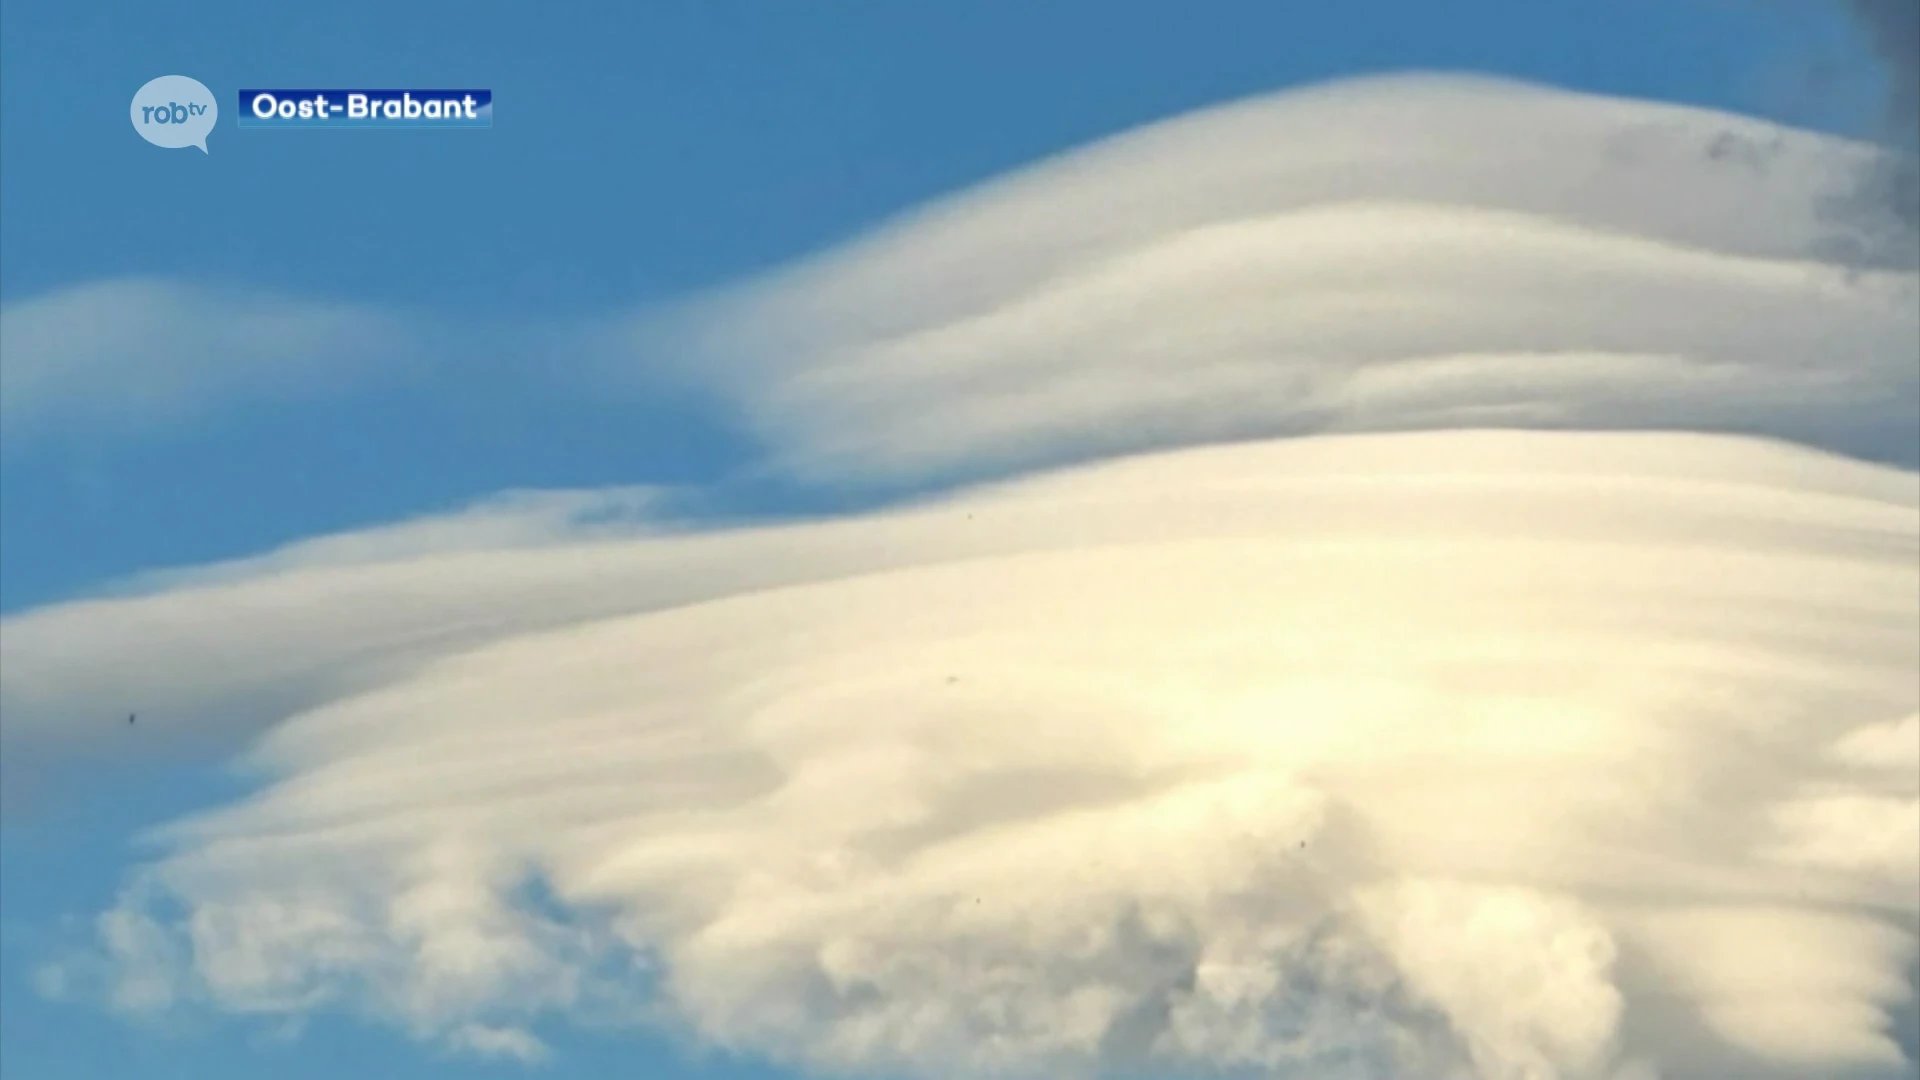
<point>174,111</point>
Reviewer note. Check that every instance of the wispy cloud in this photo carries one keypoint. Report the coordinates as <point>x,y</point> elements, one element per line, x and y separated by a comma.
<point>1377,743</point>
<point>493,1042</point>
<point>1884,210</point>
<point>1893,26</point>
<point>106,359</point>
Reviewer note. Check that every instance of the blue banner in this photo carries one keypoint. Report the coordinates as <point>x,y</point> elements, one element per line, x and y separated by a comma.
<point>365,108</point>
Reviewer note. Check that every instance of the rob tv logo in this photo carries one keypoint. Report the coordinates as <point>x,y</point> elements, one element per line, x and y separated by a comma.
<point>174,112</point>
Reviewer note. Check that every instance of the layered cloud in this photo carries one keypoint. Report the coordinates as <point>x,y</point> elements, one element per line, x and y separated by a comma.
<point>1455,651</point>
<point>1434,754</point>
<point>1385,254</point>
<point>1376,254</point>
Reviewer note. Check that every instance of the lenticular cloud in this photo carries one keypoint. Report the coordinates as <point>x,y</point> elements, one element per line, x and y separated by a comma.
<point>1477,754</point>
<point>1532,693</point>
<point>1386,254</point>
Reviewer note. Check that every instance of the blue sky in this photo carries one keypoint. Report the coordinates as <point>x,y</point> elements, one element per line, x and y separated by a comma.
<point>640,152</point>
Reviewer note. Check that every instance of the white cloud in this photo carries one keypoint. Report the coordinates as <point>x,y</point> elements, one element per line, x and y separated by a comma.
<point>1543,755</point>
<point>500,1042</point>
<point>1894,747</point>
<point>509,521</point>
<point>1381,254</point>
<point>130,355</point>
<point>1388,750</point>
<point>1377,254</point>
